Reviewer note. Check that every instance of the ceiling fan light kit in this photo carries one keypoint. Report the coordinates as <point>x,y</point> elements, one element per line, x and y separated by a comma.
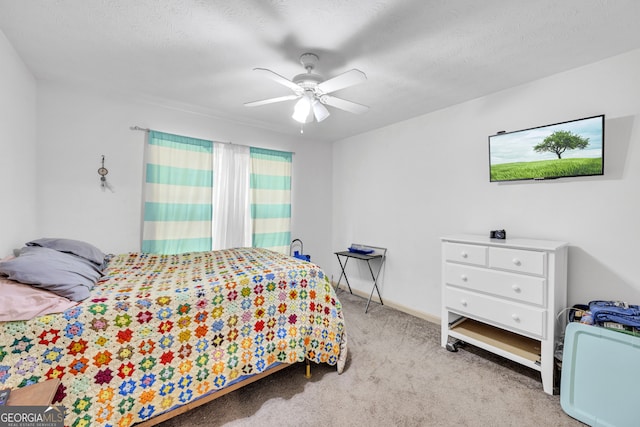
<point>302,109</point>
<point>312,91</point>
<point>319,110</point>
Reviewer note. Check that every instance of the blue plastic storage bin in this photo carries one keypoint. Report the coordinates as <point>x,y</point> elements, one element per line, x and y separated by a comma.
<point>600,376</point>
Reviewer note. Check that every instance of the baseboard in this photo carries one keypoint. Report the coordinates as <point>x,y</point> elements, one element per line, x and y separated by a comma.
<point>394,305</point>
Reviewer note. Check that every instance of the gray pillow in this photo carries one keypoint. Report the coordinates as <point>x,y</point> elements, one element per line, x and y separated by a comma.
<point>63,273</point>
<point>76,247</point>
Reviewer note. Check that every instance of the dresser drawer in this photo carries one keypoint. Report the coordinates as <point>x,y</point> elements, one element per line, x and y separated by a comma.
<point>531,262</point>
<point>510,316</point>
<point>517,287</point>
<point>469,254</point>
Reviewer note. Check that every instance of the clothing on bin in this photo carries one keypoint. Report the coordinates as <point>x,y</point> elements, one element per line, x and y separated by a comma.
<point>615,311</point>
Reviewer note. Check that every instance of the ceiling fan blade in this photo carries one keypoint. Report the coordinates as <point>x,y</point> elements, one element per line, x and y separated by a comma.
<point>279,79</point>
<point>343,104</point>
<point>346,79</point>
<point>270,100</point>
<point>319,110</point>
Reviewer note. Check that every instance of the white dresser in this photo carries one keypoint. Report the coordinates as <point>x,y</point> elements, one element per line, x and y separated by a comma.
<point>503,296</point>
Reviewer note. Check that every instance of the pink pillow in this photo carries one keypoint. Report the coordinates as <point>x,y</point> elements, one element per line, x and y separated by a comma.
<point>23,302</point>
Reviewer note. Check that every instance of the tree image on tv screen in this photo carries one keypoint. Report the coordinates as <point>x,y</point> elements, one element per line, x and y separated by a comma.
<point>560,141</point>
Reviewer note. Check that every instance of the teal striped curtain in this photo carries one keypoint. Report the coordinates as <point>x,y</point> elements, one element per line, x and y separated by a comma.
<point>271,199</point>
<point>178,196</point>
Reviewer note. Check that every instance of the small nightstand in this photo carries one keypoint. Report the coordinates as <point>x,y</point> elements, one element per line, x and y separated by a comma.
<point>38,394</point>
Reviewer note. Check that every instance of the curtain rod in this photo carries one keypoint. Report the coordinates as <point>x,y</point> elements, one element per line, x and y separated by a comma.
<point>149,130</point>
<point>220,142</point>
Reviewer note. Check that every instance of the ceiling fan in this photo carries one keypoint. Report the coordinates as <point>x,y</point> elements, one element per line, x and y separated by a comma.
<point>313,91</point>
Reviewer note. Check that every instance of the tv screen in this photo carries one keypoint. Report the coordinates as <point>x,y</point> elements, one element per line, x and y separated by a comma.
<point>567,149</point>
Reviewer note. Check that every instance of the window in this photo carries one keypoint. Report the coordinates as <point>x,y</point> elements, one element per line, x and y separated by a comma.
<point>201,195</point>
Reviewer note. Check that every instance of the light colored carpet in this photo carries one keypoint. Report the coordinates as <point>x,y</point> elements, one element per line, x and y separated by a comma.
<point>396,375</point>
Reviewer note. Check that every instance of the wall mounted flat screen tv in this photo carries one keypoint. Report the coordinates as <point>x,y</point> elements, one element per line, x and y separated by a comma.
<point>567,149</point>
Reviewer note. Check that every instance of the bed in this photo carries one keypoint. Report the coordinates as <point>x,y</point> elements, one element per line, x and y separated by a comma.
<point>158,333</point>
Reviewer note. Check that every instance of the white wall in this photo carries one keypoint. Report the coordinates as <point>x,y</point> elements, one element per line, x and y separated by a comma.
<point>76,127</point>
<point>17,150</point>
<point>402,186</point>
<point>406,185</point>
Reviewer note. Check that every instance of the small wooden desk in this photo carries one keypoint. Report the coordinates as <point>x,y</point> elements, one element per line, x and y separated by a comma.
<point>364,257</point>
<point>38,394</point>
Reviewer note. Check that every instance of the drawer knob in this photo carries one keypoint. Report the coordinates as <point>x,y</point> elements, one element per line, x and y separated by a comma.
<point>516,288</point>
<point>463,303</point>
<point>464,278</point>
<point>516,261</point>
<point>515,317</point>
<point>464,254</point>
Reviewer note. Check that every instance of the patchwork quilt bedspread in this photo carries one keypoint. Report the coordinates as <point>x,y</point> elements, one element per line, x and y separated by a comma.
<point>159,331</point>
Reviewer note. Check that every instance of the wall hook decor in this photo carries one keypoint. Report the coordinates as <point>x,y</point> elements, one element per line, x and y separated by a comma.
<point>102,171</point>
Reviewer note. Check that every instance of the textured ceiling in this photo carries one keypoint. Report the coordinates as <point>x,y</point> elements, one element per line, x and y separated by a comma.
<point>419,55</point>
